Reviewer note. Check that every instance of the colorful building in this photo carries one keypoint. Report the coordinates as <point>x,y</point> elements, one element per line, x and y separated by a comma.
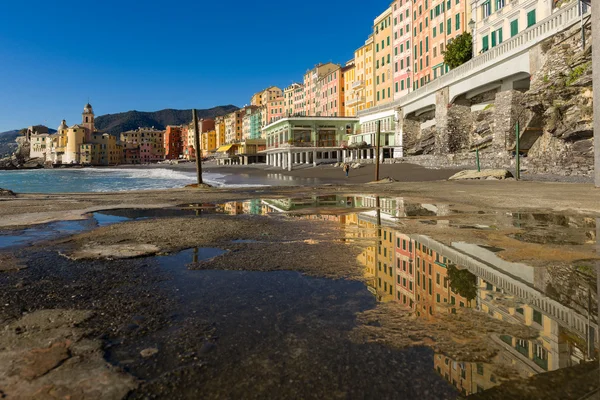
<point>173,142</point>
<point>294,96</point>
<point>252,123</point>
<point>307,140</point>
<point>331,100</point>
<point>384,74</point>
<point>499,20</point>
<point>362,88</point>
<point>349,79</point>
<point>233,126</point>
<point>275,109</point>
<point>78,144</point>
<point>262,98</point>
<point>220,130</point>
<point>312,81</point>
<point>209,143</point>
<point>149,141</point>
<point>401,13</point>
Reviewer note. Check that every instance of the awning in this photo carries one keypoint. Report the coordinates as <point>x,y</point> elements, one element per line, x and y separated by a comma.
<point>224,149</point>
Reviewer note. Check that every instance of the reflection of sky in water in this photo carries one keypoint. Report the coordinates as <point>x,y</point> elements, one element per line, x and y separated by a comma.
<point>413,271</point>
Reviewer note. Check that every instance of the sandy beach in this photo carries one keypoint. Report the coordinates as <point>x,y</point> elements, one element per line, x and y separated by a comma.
<point>188,293</point>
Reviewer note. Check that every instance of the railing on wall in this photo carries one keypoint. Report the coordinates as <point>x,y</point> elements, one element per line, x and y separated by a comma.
<point>561,19</point>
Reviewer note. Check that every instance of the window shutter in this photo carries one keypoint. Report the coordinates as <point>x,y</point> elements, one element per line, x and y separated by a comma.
<point>499,35</point>
<point>449,26</point>
<point>494,39</point>
<point>531,18</point>
<point>485,43</point>
<point>514,27</point>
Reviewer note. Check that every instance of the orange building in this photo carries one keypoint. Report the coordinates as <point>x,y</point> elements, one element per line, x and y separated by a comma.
<point>173,142</point>
<point>275,110</point>
<point>331,100</point>
<point>435,23</point>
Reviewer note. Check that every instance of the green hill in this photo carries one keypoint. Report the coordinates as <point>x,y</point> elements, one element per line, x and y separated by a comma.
<point>122,122</point>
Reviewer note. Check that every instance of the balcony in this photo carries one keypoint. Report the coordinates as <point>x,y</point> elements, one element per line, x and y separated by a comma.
<point>358,84</point>
<point>355,101</point>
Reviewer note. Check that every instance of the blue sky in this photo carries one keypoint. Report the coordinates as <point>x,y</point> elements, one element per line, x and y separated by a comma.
<point>178,54</point>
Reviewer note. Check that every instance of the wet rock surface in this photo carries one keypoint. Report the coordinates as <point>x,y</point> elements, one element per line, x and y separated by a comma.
<point>401,328</point>
<point>6,193</point>
<point>45,355</point>
<point>497,174</point>
<point>249,310</point>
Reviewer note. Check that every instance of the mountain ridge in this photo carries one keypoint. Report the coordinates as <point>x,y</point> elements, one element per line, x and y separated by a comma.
<point>130,120</point>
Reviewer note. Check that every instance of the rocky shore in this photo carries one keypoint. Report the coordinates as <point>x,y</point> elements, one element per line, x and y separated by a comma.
<point>20,160</point>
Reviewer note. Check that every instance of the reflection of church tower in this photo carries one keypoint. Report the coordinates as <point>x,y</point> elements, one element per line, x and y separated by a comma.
<point>87,120</point>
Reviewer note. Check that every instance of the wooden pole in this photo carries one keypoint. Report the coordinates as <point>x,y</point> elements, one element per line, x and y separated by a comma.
<point>518,158</point>
<point>197,146</point>
<point>378,147</point>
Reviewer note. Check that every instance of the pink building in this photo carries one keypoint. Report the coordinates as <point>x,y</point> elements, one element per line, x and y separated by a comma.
<point>312,83</point>
<point>331,99</point>
<point>276,109</point>
<point>402,36</point>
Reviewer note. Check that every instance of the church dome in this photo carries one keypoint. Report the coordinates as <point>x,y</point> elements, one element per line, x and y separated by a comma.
<point>63,125</point>
<point>88,109</point>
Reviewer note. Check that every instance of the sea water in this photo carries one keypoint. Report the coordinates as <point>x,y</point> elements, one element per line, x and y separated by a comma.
<point>86,180</point>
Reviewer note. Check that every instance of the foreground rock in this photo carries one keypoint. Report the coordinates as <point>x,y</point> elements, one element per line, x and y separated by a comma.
<point>6,193</point>
<point>114,252</point>
<point>45,355</point>
<point>497,174</point>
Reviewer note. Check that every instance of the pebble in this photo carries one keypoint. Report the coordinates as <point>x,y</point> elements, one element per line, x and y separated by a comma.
<point>149,352</point>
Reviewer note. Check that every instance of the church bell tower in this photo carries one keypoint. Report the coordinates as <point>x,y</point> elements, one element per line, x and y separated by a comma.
<point>87,120</point>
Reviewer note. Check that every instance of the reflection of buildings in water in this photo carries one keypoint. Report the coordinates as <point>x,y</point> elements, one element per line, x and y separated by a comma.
<point>413,270</point>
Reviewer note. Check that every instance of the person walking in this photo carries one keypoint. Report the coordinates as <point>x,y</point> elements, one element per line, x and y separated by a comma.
<point>346,169</point>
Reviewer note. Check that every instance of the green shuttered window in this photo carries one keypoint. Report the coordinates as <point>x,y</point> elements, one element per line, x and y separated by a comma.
<point>485,43</point>
<point>514,27</point>
<point>531,18</point>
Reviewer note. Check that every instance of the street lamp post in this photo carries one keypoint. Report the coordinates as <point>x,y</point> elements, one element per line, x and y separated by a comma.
<point>472,27</point>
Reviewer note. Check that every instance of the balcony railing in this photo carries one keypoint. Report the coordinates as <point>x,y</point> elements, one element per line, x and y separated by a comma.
<point>558,21</point>
<point>320,143</point>
<point>357,84</point>
<point>355,100</point>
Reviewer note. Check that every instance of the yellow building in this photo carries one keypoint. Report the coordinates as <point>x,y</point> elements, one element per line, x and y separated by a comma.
<point>209,143</point>
<point>263,97</point>
<point>220,131</point>
<point>75,137</point>
<point>349,79</point>
<point>102,149</point>
<point>361,91</point>
<point>384,73</point>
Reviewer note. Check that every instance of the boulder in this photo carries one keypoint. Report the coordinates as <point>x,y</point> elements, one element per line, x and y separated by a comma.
<point>6,193</point>
<point>489,174</point>
<point>34,163</point>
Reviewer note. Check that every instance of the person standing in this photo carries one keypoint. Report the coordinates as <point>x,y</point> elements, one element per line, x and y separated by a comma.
<point>346,169</point>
